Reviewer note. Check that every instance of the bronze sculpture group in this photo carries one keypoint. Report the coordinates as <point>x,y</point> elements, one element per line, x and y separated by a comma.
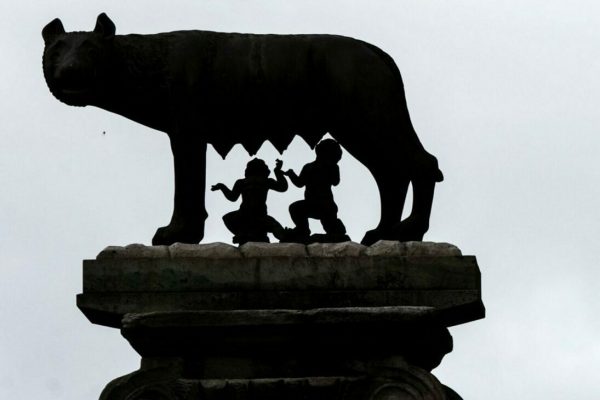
<point>204,87</point>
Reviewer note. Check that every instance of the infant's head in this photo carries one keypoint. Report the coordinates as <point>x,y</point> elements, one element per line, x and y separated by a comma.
<point>257,168</point>
<point>329,150</point>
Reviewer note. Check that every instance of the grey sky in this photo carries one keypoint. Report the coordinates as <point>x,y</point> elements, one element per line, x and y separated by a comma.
<point>503,93</point>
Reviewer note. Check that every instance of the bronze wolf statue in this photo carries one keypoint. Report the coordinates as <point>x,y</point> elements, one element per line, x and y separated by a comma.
<point>204,87</point>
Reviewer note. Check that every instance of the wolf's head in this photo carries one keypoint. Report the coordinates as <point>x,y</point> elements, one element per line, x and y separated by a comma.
<point>76,63</point>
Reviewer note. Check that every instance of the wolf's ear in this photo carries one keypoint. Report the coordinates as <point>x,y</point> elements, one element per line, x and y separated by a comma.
<point>104,26</point>
<point>54,28</point>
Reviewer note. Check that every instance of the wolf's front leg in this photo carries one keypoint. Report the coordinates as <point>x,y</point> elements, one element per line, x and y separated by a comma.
<point>189,213</point>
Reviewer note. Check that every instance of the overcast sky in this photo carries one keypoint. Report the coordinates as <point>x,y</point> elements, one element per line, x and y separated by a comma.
<point>504,93</point>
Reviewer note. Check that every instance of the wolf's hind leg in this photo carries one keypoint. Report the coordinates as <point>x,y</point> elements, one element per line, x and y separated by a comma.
<point>424,177</point>
<point>387,164</point>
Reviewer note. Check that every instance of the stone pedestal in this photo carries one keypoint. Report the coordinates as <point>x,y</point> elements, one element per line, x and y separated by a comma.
<point>283,321</point>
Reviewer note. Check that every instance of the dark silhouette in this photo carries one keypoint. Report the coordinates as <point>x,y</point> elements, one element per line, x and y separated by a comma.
<point>205,87</point>
<point>318,177</point>
<point>251,223</point>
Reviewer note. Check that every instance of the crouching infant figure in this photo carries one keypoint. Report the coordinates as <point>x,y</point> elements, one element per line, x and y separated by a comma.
<point>251,223</point>
<point>317,177</point>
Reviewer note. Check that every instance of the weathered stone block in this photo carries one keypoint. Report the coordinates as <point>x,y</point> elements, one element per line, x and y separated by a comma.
<point>280,273</point>
<point>343,249</point>
<point>135,250</point>
<point>263,250</point>
<point>387,248</point>
<point>204,250</point>
<point>216,277</point>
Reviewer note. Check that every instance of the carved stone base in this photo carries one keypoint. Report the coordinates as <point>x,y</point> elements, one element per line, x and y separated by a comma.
<point>285,322</point>
<point>398,382</point>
